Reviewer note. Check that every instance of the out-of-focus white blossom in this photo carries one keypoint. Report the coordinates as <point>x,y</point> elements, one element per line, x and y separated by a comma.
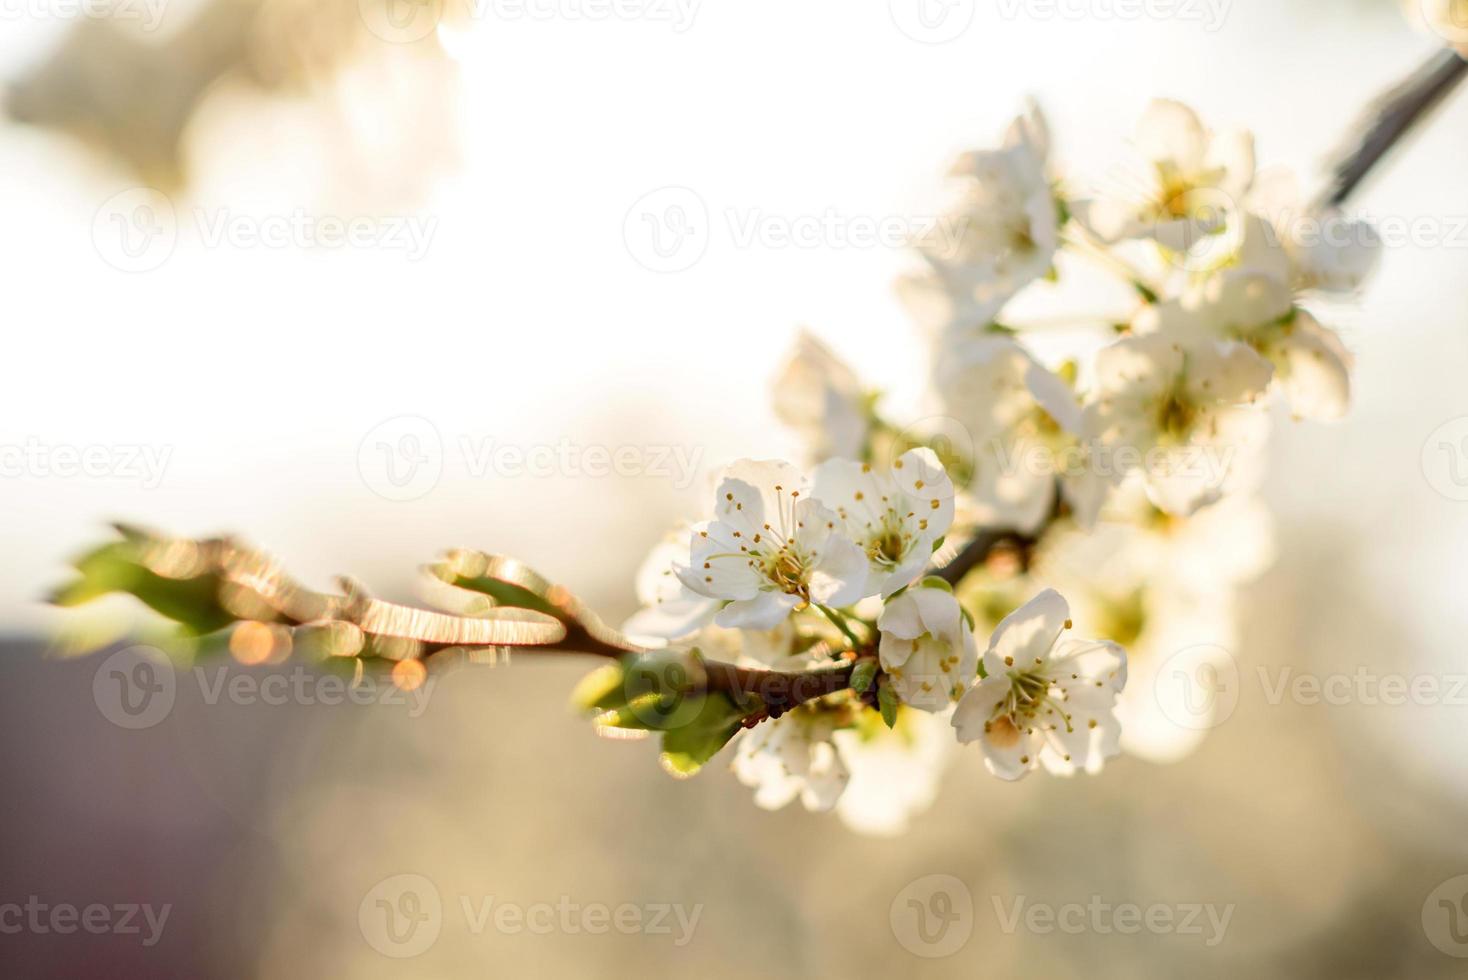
<point>1311,365</point>
<point>1145,589</point>
<point>1046,699</point>
<point>771,548</point>
<point>895,773</point>
<point>669,608</point>
<point>1178,410</point>
<point>1028,432</point>
<point>895,515</point>
<point>1189,194</point>
<point>819,397</point>
<point>1000,236</point>
<point>927,648</point>
<point>1309,249</point>
<point>793,756</point>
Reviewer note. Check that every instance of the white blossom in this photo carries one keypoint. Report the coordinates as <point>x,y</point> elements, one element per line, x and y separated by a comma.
<point>895,515</point>
<point>771,548</point>
<point>1046,698</point>
<point>927,648</point>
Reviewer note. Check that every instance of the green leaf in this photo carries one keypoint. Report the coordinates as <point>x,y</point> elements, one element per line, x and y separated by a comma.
<point>935,582</point>
<point>688,748</point>
<point>887,702</point>
<point>862,676</point>
<point>193,603</point>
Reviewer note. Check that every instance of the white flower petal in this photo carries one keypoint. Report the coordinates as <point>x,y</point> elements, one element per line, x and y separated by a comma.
<point>1027,634</point>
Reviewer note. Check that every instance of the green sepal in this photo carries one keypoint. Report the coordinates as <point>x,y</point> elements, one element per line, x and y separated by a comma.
<point>862,676</point>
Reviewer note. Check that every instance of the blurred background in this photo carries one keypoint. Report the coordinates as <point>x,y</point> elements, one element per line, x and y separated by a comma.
<point>313,271</point>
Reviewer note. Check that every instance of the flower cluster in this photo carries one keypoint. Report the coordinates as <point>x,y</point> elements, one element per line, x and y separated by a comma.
<point>1117,465</point>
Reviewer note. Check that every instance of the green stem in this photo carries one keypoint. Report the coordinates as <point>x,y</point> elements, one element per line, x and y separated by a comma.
<point>841,624</point>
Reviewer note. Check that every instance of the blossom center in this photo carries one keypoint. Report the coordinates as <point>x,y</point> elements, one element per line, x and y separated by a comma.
<point>1175,415</point>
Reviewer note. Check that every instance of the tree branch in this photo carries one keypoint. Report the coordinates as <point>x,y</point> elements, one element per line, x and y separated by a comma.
<point>1388,119</point>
